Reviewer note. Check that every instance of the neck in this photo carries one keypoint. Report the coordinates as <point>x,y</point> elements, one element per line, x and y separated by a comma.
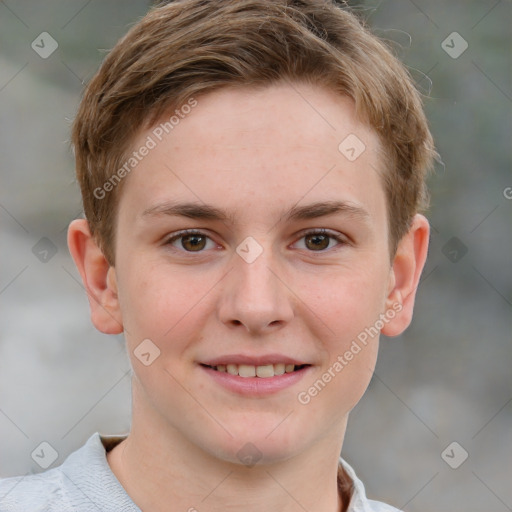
<point>158,466</point>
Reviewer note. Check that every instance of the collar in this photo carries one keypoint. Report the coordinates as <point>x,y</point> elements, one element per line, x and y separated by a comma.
<point>350,487</point>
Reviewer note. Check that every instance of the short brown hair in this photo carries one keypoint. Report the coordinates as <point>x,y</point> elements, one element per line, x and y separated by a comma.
<point>186,48</point>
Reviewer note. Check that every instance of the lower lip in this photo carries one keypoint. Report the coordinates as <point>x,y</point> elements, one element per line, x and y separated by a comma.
<point>256,386</point>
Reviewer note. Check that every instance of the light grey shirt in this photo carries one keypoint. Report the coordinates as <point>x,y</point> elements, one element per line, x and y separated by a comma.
<point>85,483</point>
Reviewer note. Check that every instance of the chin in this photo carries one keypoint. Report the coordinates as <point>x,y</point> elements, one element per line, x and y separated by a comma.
<point>257,441</point>
<point>249,454</point>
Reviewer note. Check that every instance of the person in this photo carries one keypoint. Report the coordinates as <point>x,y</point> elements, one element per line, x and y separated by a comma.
<point>253,180</point>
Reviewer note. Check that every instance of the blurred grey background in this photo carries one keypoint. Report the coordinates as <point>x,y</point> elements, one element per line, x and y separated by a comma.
<point>447,379</point>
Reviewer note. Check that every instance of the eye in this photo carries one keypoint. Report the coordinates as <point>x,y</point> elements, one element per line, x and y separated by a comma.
<point>320,239</point>
<point>190,241</point>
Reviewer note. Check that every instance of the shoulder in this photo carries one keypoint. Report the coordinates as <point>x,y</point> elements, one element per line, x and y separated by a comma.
<point>379,506</point>
<point>359,502</point>
<point>83,482</point>
<point>42,492</point>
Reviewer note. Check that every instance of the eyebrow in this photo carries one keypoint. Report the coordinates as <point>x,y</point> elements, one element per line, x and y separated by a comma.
<point>200,211</point>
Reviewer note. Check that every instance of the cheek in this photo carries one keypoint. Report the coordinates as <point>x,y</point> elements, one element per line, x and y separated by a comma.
<point>349,349</point>
<point>162,305</point>
<point>347,306</point>
<point>168,308</point>
<point>346,302</point>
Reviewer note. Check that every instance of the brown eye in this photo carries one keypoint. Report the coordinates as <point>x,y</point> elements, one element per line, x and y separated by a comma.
<point>193,242</point>
<point>317,241</point>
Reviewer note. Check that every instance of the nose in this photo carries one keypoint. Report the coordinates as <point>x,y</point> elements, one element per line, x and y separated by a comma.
<point>255,296</point>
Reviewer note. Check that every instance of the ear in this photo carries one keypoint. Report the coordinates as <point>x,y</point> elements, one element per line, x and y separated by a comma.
<point>405,275</point>
<point>98,276</point>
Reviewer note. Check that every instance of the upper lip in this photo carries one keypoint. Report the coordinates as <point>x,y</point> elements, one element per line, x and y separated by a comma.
<point>260,360</point>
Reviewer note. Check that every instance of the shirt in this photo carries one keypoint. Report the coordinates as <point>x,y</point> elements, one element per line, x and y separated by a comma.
<point>84,482</point>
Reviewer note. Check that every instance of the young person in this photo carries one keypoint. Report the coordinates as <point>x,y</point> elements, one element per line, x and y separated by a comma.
<point>252,173</point>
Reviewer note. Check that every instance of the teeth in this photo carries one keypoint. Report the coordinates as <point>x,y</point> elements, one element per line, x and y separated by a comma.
<point>279,369</point>
<point>247,370</point>
<point>264,371</point>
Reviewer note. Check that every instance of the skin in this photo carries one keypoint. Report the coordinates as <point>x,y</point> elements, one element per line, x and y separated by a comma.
<point>256,153</point>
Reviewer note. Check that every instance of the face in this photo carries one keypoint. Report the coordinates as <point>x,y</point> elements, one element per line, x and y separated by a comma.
<point>249,241</point>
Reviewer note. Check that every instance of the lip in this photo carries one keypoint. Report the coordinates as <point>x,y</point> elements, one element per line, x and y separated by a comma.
<point>255,386</point>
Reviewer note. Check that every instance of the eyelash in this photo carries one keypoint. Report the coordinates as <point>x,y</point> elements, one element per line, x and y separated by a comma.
<point>340,239</point>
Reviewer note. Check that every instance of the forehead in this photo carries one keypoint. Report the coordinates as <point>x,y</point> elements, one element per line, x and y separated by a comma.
<point>255,149</point>
<point>305,118</point>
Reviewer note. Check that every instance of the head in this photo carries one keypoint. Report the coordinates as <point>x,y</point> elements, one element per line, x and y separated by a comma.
<point>255,124</point>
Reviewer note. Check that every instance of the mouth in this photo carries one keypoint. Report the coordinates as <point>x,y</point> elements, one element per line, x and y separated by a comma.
<point>255,375</point>
<point>264,371</point>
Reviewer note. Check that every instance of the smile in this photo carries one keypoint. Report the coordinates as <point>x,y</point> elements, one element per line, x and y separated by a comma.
<point>256,380</point>
<point>262,371</point>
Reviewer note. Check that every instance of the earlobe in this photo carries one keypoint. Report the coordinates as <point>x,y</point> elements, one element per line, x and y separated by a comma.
<point>408,264</point>
<point>98,277</point>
